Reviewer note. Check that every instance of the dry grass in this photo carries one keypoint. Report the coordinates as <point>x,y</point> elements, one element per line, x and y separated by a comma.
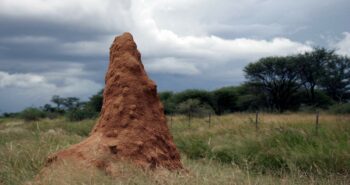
<point>25,146</point>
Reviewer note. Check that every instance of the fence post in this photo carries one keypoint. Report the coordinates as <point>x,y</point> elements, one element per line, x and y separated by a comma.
<point>317,122</point>
<point>209,121</point>
<point>256,120</point>
<point>189,119</point>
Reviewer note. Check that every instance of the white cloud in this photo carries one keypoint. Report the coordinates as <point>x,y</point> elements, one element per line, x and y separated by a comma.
<point>200,50</point>
<point>91,14</point>
<point>20,80</point>
<point>171,66</point>
<point>20,90</point>
<point>149,21</point>
<point>28,39</point>
<point>87,48</point>
<point>343,45</point>
<point>191,52</point>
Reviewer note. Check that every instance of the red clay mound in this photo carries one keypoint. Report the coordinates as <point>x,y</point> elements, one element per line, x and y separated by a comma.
<point>132,125</point>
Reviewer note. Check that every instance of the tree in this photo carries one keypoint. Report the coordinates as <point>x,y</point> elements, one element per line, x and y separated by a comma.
<point>48,108</point>
<point>58,101</point>
<point>80,114</point>
<point>311,69</point>
<point>276,78</point>
<point>32,114</point>
<point>225,99</point>
<point>166,98</point>
<point>71,103</point>
<point>166,95</point>
<point>249,98</point>
<point>193,107</point>
<point>202,96</point>
<point>336,78</point>
<point>95,102</point>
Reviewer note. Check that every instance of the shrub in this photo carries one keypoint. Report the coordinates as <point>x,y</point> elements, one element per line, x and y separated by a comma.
<point>204,97</point>
<point>80,114</point>
<point>11,115</point>
<point>52,115</point>
<point>32,114</point>
<point>340,108</point>
<point>194,107</point>
<point>167,99</point>
<point>95,102</point>
<point>225,155</point>
<point>194,148</point>
<point>225,100</point>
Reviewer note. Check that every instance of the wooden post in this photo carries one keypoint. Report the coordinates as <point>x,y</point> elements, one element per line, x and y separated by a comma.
<point>189,118</point>
<point>317,122</point>
<point>256,120</point>
<point>209,121</point>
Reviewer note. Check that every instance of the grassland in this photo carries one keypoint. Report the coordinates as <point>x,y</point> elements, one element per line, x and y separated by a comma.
<point>284,150</point>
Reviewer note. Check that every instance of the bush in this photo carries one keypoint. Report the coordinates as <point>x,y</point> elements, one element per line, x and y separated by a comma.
<point>340,108</point>
<point>194,107</point>
<point>32,114</point>
<point>95,102</point>
<point>224,155</point>
<point>204,97</point>
<point>52,115</point>
<point>167,99</point>
<point>225,100</point>
<point>80,114</point>
<point>194,148</point>
<point>11,115</point>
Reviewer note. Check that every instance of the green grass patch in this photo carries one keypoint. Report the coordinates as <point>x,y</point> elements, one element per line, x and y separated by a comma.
<point>285,150</point>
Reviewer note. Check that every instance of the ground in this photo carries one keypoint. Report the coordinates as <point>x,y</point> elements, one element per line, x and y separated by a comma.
<point>285,149</point>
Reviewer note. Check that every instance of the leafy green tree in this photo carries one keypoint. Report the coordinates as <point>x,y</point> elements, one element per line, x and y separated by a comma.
<point>166,98</point>
<point>58,101</point>
<point>80,114</point>
<point>95,102</point>
<point>336,78</point>
<point>194,107</point>
<point>225,99</point>
<point>71,103</point>
<point>276,78</point>
<point>342,108</point>
<point>250,98</point>
<point>202,96</point>
<point>166,95</point>
<point>322,100</point>
<point>48,108</point>
<point>32,114</point>
<point>311,68</point>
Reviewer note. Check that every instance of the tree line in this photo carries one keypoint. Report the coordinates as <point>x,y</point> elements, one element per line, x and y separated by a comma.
<point>71,107</point>
<point>318,79</point>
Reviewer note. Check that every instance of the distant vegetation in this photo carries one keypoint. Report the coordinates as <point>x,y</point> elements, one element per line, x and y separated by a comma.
<point>319,79</point>
<point>71,107</point>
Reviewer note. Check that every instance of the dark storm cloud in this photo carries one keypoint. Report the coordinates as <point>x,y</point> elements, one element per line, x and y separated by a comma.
<point>61,46</point>
<point>11,26</point>
<point>35,46</point>
<point>14,31</point>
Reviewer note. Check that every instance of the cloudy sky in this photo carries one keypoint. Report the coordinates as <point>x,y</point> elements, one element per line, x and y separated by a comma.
<point>61,47</point>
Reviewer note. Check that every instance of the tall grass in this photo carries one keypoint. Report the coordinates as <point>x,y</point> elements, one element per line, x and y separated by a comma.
<point>283,143</point>
<point>285,150</point>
